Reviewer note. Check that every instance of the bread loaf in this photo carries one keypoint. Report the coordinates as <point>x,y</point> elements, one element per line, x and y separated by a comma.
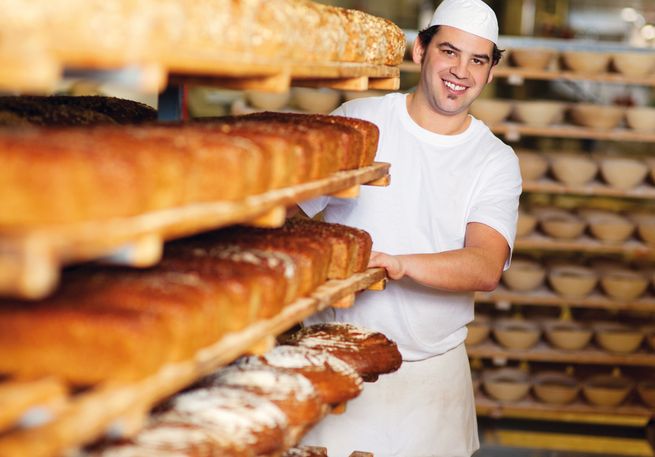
<point>349,142</point>
<point>237,420</point>
<point>291,392</point>
<point>63,110</point>
<point>306,451</point>
<point>351,247</point>
<point>334,380</point>
<point>369,353</point>
<point>368,131</point>
<point>168,439</point>
<point>70,175</point>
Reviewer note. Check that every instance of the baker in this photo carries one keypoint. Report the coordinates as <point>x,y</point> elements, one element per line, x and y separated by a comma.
<point>443,229</point>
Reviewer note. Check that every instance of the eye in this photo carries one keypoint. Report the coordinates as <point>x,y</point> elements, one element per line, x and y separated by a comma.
<point>448,52</point>
<point>478,61</point>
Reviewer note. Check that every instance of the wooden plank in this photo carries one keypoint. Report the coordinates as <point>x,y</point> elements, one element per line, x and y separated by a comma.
<point>332,70</point>
<point>358,83</point>
<point>542,352</point>
<point>545,296</point>
<point>278,82</point>
<point>28,73</point>
<point>384,83</point>
<point>578,412</point>
<point>594,188</point>
<point>537,241</point>
<point>603,445</point>
<point>513,132</point>
<point>115,408</point>
<point>31,259</point>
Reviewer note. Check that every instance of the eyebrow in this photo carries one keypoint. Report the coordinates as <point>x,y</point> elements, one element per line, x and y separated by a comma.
<point>446,44</point>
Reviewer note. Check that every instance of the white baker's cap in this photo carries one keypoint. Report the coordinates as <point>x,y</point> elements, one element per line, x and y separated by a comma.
<point>472,16</point>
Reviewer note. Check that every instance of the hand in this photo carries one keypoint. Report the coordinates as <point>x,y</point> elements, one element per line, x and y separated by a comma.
<point>393,265</point>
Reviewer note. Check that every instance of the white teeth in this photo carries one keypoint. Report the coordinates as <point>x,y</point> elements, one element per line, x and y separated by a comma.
<point>453,86</point>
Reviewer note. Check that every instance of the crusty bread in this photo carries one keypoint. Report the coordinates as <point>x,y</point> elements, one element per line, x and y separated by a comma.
<point>70,175</point>
<point>334,380</point>
<point>306,451</point>
<point>82,346</point>
<point>349,144</point>
<point>236,419</point>
<point>63,110</point>
<point>168,439</point>
<point>369,353</point>
<point>291,392</point>
<point>351,247</point>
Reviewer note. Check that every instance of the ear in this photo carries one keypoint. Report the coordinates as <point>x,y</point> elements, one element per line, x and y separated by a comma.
<point>491,74</point>
<point>417,51</point>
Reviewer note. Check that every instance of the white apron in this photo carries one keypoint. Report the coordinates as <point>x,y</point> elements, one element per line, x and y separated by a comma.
<point>426,409</point>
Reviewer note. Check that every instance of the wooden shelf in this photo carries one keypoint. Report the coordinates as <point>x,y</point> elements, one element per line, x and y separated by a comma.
<point>585,244</point>
<point>279,77</point>
<point>517,75</point>
<point>30,261</point>
<point>514,131</point>
<point>579,412</point>
<point>230,73</point>
<point>594,188</point>
<point>545,353</point>
<point>503,298</point>
<point>120,409</point>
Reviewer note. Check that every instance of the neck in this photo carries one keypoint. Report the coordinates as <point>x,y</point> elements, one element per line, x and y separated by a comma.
<point>430,119</point>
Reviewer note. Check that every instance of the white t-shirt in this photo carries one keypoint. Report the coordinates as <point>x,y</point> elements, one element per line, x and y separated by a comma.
<point>439,183</point>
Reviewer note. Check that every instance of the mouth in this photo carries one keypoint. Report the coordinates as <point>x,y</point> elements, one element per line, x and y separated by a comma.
<point>453,88</point>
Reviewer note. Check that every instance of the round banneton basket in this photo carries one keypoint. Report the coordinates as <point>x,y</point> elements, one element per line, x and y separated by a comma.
<point>506,384</point>
<point>533,164</point>
<point>618,338</point>
<point>532,58</point>
<point>586,62</point>
<point>567,335</point>
<point>524,275</point>
<point>539,113</point>
<point>607,390</point>
<point>623,172</point>
<point>573,169</point>
<point>602,117</point>
<point>572,281</point>
<point>634,64</point>
<point>491,111</point>
<point>555,388</point>
<point>516,334</point>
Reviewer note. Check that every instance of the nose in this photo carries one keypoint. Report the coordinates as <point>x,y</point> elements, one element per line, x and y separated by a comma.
<point>460,69</point>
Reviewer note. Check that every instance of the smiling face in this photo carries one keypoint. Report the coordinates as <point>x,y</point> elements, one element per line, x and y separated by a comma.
<point>455,67</point>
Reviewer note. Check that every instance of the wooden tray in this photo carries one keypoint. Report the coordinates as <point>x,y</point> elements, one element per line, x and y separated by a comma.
<point>579,411</point>
<point>120,410</point>
<point>41,75</point>
<point>542,352</point>
<point>538,242</point>
<point>30,261</point>
<point>594,188</point>
<point>503,298</point>
<point>513,132</point>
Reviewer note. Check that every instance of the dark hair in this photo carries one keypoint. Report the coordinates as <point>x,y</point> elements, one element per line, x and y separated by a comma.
<point>425,36</point>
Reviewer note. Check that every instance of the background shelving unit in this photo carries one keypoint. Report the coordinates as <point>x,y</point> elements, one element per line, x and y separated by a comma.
<point>633,413</point>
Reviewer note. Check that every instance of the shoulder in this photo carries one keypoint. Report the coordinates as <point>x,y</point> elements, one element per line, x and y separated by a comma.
<point>493,145</point>
<point>368,107</point>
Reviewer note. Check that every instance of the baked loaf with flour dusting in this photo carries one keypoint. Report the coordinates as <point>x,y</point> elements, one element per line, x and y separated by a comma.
<point>369,353</point>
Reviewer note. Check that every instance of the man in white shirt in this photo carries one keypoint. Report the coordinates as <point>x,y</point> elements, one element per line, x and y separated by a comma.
<point>443,229</point>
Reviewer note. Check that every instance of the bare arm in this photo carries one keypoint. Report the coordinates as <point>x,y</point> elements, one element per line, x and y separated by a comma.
<point>477,266</point>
